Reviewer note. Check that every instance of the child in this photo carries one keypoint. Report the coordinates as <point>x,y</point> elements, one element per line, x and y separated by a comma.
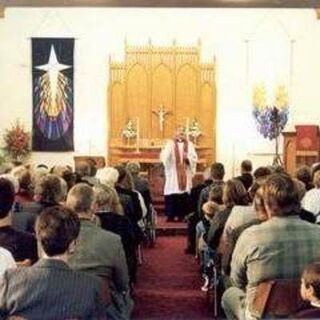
<point>209,209</point>
<point>310,291</point>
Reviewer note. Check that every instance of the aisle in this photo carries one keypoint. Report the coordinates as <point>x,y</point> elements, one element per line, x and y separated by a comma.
<point>168,284</point>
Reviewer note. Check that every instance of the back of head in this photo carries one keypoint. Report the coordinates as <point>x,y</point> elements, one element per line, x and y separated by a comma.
<point>259,204</point>
<point>6,197</point>
<point>246,166</point>
<point>234,193</point>
<point>216,193</point>
<point>316,179</point>
<point>108,176</point>
<point>258,183</point>
<point>13,180</point>
<point>315,167</point>
<point>301,188</point>
<point>48,189</point>
<point>133,167</point>
<point>217,171</point>
<point>261,172</point>
<point>56,228</point>
<point>83,169</point>
<point>125,178</point>
<point>304,174</point>
<point>106,199</point>
<point>80,198</point>
<point>311,277</point>
<point>24,177</point>
<point>210,209</point>
<point>281,195</point>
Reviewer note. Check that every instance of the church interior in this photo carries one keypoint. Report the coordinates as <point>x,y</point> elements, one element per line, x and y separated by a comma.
<point>94,92</point>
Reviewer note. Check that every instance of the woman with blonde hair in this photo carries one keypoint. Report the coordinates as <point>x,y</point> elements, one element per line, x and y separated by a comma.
<point>109,213</point>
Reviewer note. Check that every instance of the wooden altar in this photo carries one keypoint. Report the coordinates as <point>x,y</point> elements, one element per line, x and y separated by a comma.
<point>157,89</point>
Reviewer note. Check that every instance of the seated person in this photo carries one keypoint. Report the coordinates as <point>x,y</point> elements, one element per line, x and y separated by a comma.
<point>108,210</point>
<point>234,193</point>
<point>204,252</point>
<point>310,291</point>
<point>311,200</point>
<point>100,252</point>
<point>278,248</point>
<point>304,174</point>
<point>21,245</point>
<point>246,177</point>
<point>47,193</point>
<point>6,261</point>
<point>231,240</point>
<point>25,191</point>
<point>50,289</point>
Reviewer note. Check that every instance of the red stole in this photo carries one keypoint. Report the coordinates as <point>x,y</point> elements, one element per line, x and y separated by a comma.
<point>181,164</point>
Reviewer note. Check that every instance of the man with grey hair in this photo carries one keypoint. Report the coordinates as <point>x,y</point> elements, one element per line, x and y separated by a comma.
<point>100,252</point>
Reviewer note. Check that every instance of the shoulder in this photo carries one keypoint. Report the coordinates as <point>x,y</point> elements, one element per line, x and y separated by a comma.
<point>109,236</point>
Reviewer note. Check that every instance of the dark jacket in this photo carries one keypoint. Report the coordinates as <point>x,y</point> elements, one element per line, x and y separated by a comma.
<point>22,245</point>
<point>122,226</point>
<point>50,290</point>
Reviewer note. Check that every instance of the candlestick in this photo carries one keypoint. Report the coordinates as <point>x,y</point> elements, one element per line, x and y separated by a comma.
<point>138,135</point>
<point>187,128</point>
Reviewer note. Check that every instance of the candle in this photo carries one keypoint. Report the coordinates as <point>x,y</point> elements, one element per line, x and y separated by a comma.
<point>138,133</point>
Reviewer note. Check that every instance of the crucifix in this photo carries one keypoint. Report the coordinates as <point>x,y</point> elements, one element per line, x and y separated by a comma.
<point>161,113</point>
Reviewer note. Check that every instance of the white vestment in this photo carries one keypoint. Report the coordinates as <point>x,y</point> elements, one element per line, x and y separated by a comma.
<point>168,159</point>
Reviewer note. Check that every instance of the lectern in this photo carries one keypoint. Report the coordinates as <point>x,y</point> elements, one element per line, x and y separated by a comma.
<point>301,147</point>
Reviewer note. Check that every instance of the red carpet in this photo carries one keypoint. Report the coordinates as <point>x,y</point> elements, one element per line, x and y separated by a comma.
<point>169,283</point>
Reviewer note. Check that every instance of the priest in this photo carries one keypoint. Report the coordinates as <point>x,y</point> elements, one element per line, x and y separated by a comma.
<point>180,160</point>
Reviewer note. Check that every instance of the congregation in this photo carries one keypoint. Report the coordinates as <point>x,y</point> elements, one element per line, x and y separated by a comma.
<point>69,241</point>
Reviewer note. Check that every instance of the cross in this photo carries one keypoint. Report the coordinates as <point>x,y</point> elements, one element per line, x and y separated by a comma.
<point>161,113</point>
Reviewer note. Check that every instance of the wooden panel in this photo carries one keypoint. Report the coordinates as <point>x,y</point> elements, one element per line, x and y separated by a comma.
<point>137,98</point>
<point>118,114</point>
<point>186,94</point>
<point>206,114</point>
<point>290,163</point>
<point>162,94</point>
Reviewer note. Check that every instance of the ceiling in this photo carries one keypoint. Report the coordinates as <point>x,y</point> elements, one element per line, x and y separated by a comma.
<point>165,3</point>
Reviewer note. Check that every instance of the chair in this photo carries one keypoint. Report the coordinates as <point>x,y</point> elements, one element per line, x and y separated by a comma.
<point>278,298</point>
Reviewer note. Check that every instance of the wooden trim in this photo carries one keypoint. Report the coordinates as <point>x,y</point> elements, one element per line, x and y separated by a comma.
<point>165,3</point>
<point>2,9</point>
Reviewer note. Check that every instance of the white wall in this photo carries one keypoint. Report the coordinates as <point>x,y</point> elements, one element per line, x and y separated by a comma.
<point>223,33</point>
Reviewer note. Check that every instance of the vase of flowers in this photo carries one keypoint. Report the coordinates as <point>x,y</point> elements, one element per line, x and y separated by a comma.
<point>17,143</point>
<point>129,131</point>
<point>194,130</point>
<point>271,118</point>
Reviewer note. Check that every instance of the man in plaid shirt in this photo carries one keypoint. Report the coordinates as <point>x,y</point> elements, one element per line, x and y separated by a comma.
<point>279,248</point>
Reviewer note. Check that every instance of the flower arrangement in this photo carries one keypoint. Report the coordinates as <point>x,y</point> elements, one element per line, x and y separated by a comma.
<point>270,119</point>
<point>194,130</point>
<point>129,131</point>
<point>17,142</point>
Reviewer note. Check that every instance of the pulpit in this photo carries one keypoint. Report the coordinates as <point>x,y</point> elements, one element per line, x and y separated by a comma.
<point>301,147</point>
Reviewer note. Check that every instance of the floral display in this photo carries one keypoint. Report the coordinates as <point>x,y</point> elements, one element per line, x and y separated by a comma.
<point>270,119</point>
<point>129,131</point>
<point>17,142</point>
<point>194,129</point>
